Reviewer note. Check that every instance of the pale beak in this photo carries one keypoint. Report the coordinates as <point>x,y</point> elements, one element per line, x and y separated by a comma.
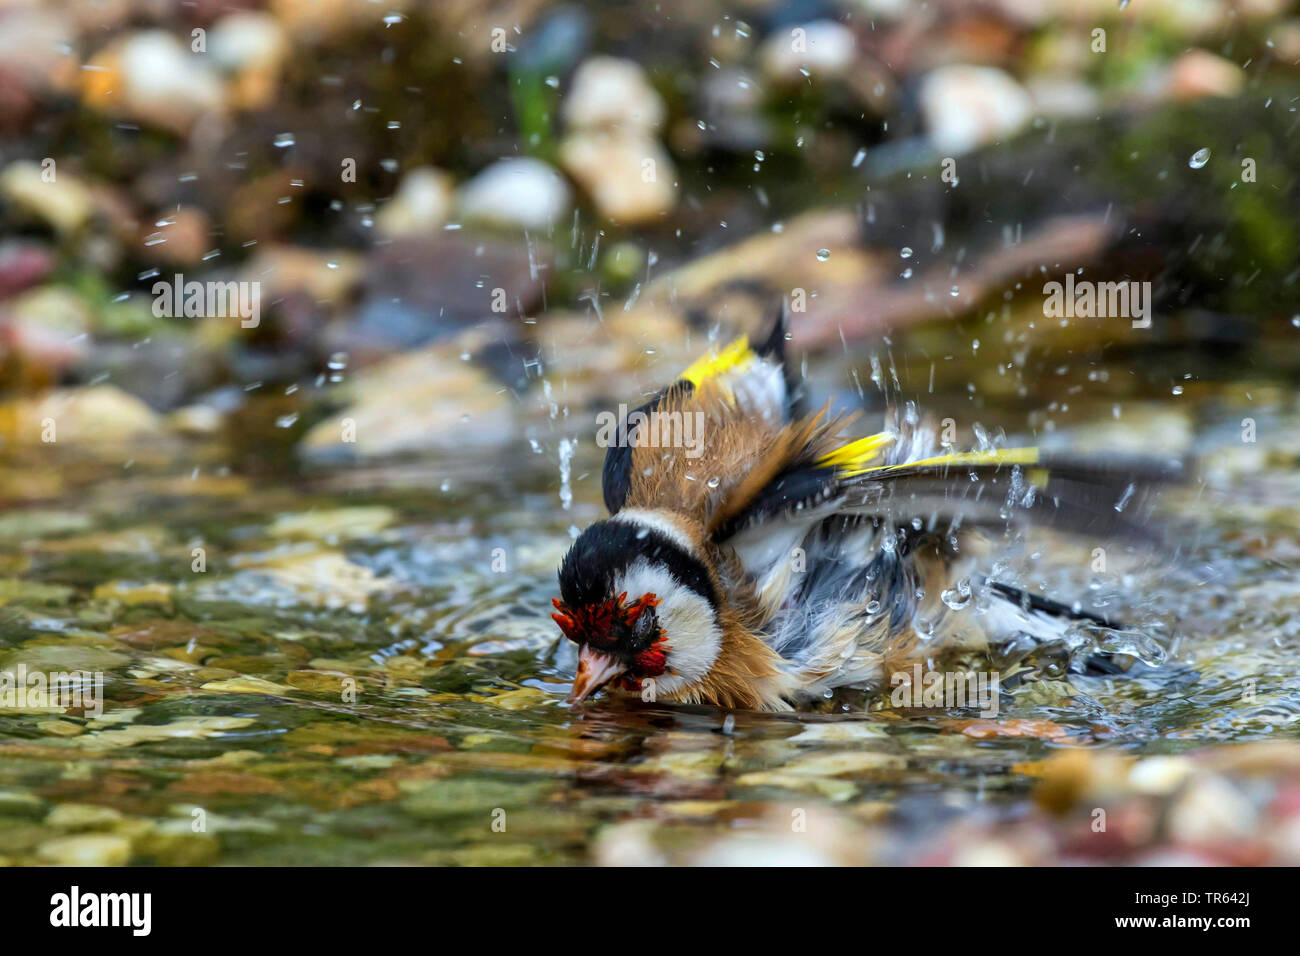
<point>595,670</point>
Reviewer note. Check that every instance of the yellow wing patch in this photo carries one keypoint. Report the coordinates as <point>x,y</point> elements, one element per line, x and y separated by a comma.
<point>736,355</point>
<point>851,459</point>
<point>1002,456</point>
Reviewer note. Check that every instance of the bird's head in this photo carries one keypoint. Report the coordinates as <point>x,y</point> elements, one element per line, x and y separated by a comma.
<point>641,604</point>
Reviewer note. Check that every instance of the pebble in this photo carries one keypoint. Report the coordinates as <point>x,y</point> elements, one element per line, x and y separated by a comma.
<point>1211,810</point>
<point>151,77</point>
<point>82,816</point>
<point>251,46</point>
<point>92,415</point>
<point>523,193</point>
<point>612,93</point>
<point>825,50</point>
<point>97,850</point>
<point>967,106</point>
<point>423,203</point>
<point>630,178</point>
<point>66,204</point>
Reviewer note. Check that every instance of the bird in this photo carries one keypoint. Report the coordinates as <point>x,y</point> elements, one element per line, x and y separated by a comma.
<point>772,560</point>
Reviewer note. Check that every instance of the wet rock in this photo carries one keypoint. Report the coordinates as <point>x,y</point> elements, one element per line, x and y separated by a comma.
<point>967,106</point>
<point>1211,810</point>
<point>38,48</point>
<point>34,524</point>
<point>176,847</point>
<point>525,698</point>
<point>423,202</point>
<point>1197,74</point>
<point>330,524</point>
<point>82,816</point>
<point>731,107</point>
<point>476,798</point>
<point>61,728</point>
<point>1160,775</point>
<point>66,203</point>
<point>98,850</point>
<point>246,685</point>
<point>42,334</point>
<point>1285,38</point>
<point>419,290</point>
<point>196,421</point>
<point>822,49</point>
<point>612,94</point>
<point>182,728</point>
<point>521,193</point>
<point>326,276</point>
<point>22,805</point>
<point>319,682</point>
<point>426,399</point>
<point>251,47</point>
<point>132,594</point>
<point>180,237</point>
<point>151,77</point>
<point>93,416</point>
<point>630,178</point>
<point>324,579</point>
<point>556,41</point>
<point>22,265</point>
<point>62,658</point>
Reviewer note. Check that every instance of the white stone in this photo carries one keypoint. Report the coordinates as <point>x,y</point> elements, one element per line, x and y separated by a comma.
<point>521,192</point>
<point>967,106</point>
<point>152,77</point>
<point>631,179</point>
<point>246,38</point>
<point>423,202</point>
<point>824,49</point>
<point>611,92</point>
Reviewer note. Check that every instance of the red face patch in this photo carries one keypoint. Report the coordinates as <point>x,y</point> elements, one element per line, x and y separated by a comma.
<point>630,632</point>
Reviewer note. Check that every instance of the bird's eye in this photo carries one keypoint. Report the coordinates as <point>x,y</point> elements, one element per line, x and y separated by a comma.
<point>645,630</point>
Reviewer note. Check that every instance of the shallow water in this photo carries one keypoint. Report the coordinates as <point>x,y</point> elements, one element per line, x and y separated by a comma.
<point>364,670</point>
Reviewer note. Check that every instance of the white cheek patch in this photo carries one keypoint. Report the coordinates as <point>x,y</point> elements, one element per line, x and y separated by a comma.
<point>694,639</point>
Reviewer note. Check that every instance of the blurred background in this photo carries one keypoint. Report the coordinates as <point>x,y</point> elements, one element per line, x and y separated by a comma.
<point>468,227</point>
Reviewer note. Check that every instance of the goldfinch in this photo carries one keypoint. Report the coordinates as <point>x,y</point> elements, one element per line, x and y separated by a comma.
<point>772,561</point>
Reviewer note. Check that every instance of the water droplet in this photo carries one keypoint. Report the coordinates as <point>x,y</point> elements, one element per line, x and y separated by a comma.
<point>905,252</point>
<point>283,140</point>
<point>958,596</point>
<point>823,255</point>
<point>1199,158</point>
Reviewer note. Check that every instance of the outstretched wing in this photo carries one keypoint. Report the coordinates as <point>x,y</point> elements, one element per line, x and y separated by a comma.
<point>964,489</point>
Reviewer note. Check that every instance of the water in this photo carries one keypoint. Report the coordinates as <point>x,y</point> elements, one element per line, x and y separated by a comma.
<point>363,670</point>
